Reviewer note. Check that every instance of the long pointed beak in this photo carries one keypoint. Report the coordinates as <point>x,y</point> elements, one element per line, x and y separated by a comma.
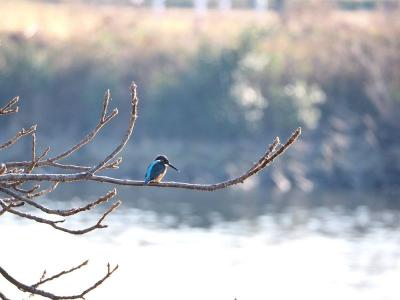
<point>173,167</point>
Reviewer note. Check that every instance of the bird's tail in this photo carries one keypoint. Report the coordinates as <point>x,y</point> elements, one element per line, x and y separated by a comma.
<point>146,181</point>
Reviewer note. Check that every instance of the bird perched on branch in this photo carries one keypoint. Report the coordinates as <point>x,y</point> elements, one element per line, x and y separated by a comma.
<point>157,169</point>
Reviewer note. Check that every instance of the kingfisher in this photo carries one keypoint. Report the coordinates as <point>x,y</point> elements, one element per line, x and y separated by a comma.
<point>157,169</point>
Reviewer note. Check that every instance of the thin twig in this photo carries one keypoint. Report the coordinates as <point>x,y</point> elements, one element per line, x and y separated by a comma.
<point>107,98</point>
<point>47,163</point>
<point>89,137</point>
<point>95,285</point>
<point>39,158</point>
<point>43,192</point>
<point>266,160</point>
<point>112,165</point>
<point>3,297</point>
<point>25,191</point>
<point>13,174</point>
<point>30,168</point>
<point>60,212</point>
<point>10,107</point>
<point>44,280</point>
<point>33,147</point>
<point>17,136</point>
<point>132,120</point>
<point>30,289</point>
<point>53,224</point>
<point>6,208</point>
<point>271,149</point>
<point>3,168</point>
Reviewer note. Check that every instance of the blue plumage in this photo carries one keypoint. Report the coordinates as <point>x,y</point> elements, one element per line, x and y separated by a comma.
<point>154,171</point>
<point>157,169</point>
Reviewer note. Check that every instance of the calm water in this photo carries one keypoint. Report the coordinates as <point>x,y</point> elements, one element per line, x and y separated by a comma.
<point>280,251</point>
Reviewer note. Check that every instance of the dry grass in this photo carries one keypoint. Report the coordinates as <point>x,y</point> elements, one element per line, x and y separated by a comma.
<point>71,21</point>
<point>63,22</point>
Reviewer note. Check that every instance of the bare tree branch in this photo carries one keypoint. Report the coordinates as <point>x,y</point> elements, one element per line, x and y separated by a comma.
<point>43,192</point>
<point>60,212</point>
<point>10,107</point>
<point>132,120</point>
<point>103,121</point>
<point>3,297</point>
<point>108,274</point>
<point>17,136</point>
<point>263,162</point>
<point>55,225</point>
<point>6,208</point>
<point>107,98</point>
<point>271,148</point>
<point>33,147</point>
<point>44,280</point>
<point>33,290</point>
<point>29,191</point>
<point>3,168</point>
<point>14,174</point>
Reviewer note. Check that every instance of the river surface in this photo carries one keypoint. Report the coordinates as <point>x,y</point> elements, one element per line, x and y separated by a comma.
<point>319,252</point>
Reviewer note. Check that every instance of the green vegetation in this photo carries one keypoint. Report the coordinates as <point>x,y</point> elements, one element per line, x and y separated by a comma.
<point>224,80</point>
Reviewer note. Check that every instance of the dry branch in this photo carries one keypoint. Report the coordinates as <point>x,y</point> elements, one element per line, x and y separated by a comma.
<point>132,120</point>
<point>10,107</point>
<point>14,174</point>
<point>54,224</point>
<point>59,212</point>
<point>3,168</point>
<point>5,208</point>
<point>43,192</point>
<point>43,279</point>
<point>273,152</point>
<point>17,136</point>
<point>3,297</point>
<point>29,191</point>
<point>88,138</point>
<point>34,290</point>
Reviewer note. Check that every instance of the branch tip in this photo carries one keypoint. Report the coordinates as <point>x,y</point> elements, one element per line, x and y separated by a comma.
<point>14,174</point>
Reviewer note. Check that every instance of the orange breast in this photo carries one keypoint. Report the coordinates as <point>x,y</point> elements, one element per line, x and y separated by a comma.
<point>160,177</point>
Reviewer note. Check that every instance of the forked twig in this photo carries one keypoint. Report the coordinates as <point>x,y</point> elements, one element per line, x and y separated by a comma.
<point>14,174</point>
<point>90,136</point>
<point>59,212</point>
<point>10,107</point>
<point>263,162</point>
<point>43,280</point>
<point>55,225</point>
<point>17,136</point>
<point>43,192</point>
<point>132,120</point>
<point>34,290</point>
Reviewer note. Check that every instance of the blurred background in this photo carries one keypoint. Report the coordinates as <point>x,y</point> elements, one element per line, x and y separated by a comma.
<point>218,80</point>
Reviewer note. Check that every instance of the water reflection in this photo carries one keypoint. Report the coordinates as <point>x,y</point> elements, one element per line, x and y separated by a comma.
<point>279,251</point>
